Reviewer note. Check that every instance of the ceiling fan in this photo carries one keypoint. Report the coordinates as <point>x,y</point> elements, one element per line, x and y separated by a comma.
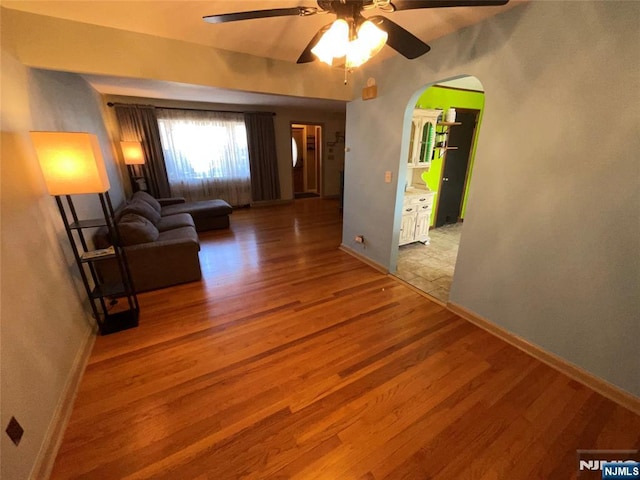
<point>352,39</point>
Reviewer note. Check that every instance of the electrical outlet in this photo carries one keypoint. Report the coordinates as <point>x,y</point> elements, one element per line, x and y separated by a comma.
<point>387,176</point>
<point>15,431</point>
<point>359,238</point>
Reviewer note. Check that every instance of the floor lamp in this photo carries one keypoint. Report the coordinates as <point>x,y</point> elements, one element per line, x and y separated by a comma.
<point>72,164</point>
<point>134,159</point>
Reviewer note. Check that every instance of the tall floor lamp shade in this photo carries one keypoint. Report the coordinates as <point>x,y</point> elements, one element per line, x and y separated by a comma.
<point>132,153</point>
<point>134,159</point>
<point>72,164</point>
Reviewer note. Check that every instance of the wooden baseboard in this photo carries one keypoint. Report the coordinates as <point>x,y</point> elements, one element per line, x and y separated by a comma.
<point>604,388</point>
<point>364,259</point>
<point>55,433</point>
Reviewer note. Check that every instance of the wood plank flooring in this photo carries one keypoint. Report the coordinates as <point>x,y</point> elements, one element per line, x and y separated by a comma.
<point>293,360</point>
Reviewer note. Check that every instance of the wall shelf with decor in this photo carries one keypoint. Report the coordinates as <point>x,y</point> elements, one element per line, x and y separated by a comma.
<point>442,138</point>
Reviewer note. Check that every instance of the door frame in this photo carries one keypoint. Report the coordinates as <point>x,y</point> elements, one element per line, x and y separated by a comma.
<point>297,171</point>
<point>467,175</point>
<point>320,156</point>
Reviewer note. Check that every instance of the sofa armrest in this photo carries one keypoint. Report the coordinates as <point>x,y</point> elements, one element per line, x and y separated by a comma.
<point>170,201</point>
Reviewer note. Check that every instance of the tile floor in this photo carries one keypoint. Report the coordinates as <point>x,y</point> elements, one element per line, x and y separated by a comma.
<point>430,267</point>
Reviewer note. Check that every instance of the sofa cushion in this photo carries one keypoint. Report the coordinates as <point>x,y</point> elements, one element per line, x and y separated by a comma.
<point>145,197</point>
<point>204,208</point>
<point>207,214</point>
<point>142,208</point>
<point>135,229</point>
<point>170,222</point>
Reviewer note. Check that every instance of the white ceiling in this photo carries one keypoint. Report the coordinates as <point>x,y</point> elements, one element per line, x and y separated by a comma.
<point>281,38</point>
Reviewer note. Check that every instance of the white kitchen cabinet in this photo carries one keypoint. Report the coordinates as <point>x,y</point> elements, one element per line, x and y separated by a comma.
<point>423,219</point>
<point>418,201</point>
<point>416,216</point>
<point>408,224</point>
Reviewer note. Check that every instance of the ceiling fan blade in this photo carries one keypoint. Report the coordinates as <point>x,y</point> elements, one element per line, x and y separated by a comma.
<point>414,4</point>
<point>274,12</point>
<point>306,56</point>
<point>401,40</point>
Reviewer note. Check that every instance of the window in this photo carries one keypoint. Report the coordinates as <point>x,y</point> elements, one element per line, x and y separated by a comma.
<point>206,154</point>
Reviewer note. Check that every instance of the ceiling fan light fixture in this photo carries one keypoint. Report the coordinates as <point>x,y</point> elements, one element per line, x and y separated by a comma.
<point>334,42</point>
<point>368,43</point>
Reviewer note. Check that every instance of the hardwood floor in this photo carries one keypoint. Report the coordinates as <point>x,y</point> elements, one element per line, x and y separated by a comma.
<point>292,359</point>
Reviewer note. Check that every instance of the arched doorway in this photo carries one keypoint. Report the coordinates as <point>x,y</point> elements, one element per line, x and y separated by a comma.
<point>439,173</point>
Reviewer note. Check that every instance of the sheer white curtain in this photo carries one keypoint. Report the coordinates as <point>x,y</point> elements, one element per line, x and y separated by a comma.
<point>206,155</point>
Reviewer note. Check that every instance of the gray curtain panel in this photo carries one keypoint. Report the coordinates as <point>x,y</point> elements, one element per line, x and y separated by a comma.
<point>263,160</point>
<point>139,123</point>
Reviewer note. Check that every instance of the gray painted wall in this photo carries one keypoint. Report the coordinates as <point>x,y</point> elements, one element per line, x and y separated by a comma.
<point>45,317</point>
<point>549,249</point>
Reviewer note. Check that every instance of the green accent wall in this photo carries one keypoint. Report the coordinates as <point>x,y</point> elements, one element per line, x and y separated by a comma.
<point>444,98</point>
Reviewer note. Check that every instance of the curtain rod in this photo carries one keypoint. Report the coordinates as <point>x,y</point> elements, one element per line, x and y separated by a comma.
<point>112,104</point>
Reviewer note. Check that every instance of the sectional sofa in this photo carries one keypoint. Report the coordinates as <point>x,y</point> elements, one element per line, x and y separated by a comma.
<point>160,239</point>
